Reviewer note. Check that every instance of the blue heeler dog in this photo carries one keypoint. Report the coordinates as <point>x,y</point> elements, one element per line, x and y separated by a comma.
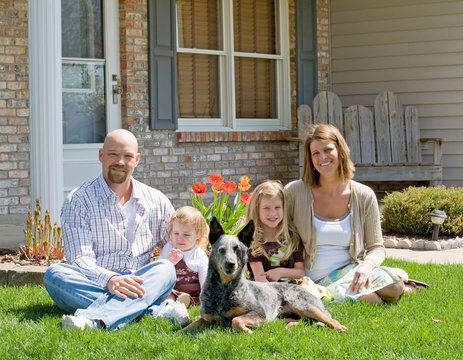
<point>228,296</point>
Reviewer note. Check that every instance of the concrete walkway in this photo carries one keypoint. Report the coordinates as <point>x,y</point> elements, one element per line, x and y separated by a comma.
<point>451,256</point>
<point>16,275</point>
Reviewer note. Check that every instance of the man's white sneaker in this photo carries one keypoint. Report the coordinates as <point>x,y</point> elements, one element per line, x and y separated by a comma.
<point>175,312</point>
<point>78,322</point>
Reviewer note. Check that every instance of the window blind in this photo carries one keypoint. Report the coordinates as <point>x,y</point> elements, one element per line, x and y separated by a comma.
<point>254,32</point>
<point>197,73</point>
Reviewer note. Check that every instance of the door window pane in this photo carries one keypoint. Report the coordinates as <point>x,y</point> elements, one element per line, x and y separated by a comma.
<point>81,25</point>
<point>84,115</point>
<point>83,73</point>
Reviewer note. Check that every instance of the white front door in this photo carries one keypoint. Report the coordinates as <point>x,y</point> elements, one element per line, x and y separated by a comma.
<point>90,84</point>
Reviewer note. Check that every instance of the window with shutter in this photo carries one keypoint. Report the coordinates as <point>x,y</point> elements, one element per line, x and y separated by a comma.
<point>233,65</point>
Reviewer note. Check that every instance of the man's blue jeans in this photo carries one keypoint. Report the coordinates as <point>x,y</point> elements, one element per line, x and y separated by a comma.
<point>74,293</point>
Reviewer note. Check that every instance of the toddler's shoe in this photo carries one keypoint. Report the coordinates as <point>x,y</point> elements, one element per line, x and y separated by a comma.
<point>184,298</point>
<point>79,322</point>
<point>175,312</point>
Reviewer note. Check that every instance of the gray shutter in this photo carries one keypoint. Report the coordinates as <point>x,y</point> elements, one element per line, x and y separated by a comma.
<point>306,51</point>
<point>163,64</point>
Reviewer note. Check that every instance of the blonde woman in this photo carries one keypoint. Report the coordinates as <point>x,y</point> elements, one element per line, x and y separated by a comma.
<point>339,223</point>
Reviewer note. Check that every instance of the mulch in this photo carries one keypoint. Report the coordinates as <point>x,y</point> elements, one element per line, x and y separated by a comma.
<point>14,256</point>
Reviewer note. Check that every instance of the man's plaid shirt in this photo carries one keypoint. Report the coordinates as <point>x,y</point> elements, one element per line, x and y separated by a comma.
<point>94,229</point>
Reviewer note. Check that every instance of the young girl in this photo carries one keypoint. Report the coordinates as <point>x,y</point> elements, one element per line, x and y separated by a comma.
<point>276,253</point>
<point>187,230</point>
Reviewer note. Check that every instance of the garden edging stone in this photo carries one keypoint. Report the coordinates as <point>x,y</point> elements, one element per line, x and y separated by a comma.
<point>423,244</point>
<point>20,275</point>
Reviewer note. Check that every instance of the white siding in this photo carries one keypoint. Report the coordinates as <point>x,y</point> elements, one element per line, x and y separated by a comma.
<point>412,47</point>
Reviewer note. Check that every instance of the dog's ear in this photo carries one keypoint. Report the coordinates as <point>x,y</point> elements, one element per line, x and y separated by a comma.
<point>245,235</point>
<point>215,230</point>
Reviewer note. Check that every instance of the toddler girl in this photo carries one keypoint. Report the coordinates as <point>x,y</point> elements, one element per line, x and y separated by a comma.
<point>276,253</point>
<point>187,230</point>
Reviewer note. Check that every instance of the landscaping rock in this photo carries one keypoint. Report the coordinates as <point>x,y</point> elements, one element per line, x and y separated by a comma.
<point>419,245</point>
<point>444,245</point>
<point>459,242</point>
<point>433,245</point>
<point>452,244</point>
<point>404,244</point>
<point>390,243</point>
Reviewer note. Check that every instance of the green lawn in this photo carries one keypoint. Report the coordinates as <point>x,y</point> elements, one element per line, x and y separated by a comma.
<point>425,325</point>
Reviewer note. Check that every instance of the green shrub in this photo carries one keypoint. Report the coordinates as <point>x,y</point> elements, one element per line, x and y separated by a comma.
<point>407,211</point>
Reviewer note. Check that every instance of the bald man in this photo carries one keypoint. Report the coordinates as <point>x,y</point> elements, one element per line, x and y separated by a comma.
<point>110,226</point>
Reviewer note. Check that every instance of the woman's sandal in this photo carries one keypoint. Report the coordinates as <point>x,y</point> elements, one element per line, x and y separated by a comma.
<point>415,284</point>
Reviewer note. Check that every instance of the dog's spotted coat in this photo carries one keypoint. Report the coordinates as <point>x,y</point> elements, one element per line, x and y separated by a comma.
<point>228,295</point>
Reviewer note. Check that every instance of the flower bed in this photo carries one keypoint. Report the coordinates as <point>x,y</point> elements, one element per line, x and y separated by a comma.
<point>231,215</point>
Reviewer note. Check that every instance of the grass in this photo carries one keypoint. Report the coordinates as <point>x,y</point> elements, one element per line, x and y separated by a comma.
<point>425,325</point>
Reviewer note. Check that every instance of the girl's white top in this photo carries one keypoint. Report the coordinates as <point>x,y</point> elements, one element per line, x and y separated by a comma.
<point>196,260</point>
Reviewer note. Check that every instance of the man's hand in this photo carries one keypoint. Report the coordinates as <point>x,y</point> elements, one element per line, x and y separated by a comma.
<point>175,255</point>
<point>125,285</point>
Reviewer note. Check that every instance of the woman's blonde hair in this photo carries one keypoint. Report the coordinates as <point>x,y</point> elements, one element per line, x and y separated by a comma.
<point>326,134</point>
<point>188,215</point>
<point>286,232</point>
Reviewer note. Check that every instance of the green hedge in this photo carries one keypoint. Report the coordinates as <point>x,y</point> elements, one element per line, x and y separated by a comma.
<point>407,212</point>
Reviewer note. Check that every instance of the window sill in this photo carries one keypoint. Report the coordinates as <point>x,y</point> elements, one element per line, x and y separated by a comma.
<point>236,136</point>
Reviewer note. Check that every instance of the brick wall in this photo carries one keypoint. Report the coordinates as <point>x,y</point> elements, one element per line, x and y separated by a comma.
<point>14,108</point>
<point>323,53</point>
<point>172,161</point>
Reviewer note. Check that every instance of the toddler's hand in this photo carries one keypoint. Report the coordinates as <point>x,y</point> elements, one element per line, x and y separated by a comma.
<point>175,255</point>
<point>273,275</point>
<point>261,277</point>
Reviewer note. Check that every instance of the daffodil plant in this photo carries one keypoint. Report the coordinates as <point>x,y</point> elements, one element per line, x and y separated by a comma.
<point>230,215</point>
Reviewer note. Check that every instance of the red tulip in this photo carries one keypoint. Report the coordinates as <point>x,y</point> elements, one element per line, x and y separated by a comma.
<point>244,184</point>
<point>229,187</point>
<point>199,188</point>
<point>215,179</point>
<point>245,198</point>
<point>218,188</point>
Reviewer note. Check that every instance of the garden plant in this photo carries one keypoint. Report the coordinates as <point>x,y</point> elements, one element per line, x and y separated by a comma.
<point>43,240</point>
<point>407,212</point>
<point>230,215</point>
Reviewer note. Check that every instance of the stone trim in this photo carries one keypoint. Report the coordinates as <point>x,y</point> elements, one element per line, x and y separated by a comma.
<point>422,244</point>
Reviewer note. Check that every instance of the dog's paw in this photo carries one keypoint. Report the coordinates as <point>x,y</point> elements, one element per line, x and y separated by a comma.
<point>340,327</point>
<point>291,324</point>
